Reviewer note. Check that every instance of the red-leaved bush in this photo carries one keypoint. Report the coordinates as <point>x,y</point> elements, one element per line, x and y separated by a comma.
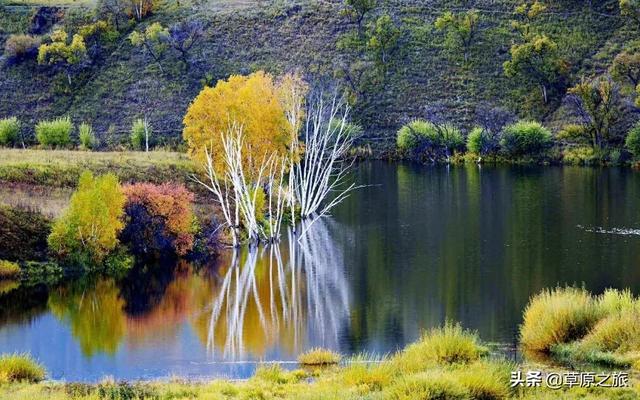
<point>159,217</point>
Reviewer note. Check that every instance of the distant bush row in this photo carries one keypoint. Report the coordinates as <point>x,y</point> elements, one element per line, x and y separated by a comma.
<point>56,133</point>
<point>423,139</point>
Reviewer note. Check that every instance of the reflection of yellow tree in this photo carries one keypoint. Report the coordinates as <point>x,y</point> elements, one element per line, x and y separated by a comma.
<point>267,299</point>
<point>96,315</point>
<point>252,308</point>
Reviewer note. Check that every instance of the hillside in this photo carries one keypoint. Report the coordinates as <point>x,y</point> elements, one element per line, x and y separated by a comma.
<point>421,74</point>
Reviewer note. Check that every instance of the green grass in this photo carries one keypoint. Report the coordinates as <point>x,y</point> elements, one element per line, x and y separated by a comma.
<point>62,168</point>
<point>447,345</point>
<point>20,368</point>
<point>9,270</point>
<point>319,356</point>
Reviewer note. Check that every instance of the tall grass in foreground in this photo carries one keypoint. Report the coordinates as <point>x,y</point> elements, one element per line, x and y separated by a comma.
<point>575,326</point>
<point>20,367</point>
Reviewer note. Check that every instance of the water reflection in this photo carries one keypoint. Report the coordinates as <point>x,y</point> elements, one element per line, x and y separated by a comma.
<point>412,248</point>
<point>266,300</point>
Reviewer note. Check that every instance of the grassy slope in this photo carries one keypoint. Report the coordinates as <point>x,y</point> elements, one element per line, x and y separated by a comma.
<point>63,168</point>
<point>278,36</point>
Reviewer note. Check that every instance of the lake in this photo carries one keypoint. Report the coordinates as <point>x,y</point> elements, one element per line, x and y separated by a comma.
<point>417,245</point>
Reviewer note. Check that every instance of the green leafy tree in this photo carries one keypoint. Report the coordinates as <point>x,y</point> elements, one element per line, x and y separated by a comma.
<point>153,39</point>
<point>86,136</point>
<point>357,10</point>
<point>461,30</point>
<point>62,53</point>
<point>89,228</point>
<point>525,14</point>
<point>537,62</point>
<point>632,142</point>
<point>598,104</point>
<point>383,40</point>
<point>140,133</point>
<point>9,131</point>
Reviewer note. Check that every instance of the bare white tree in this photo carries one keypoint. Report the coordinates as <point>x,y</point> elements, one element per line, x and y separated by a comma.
<point>277,198</point>
<point>324,165</point>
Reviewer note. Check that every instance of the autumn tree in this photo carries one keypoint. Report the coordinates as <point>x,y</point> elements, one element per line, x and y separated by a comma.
<point>537,62</point>
<point>153,39</point>
<point>461,30</point>
<point>89,228</point>
<point>597,102</point>
<point>63,54</point>
<point>252,102</point>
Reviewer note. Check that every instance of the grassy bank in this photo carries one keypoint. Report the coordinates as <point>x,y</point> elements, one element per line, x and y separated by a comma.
<point>62,168</point>
<point>446,363</point>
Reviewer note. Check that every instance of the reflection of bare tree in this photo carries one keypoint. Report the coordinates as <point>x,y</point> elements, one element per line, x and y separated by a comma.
<point>299,300</point>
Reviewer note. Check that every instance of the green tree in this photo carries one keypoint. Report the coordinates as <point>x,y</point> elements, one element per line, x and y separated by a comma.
<point>357,10</point>
<point>598,104</point>
<point>88,230</point>
<point>632,142</point>
<point>153,40</point>
<point>383,40</point>
<point>537,62</point>
<point>525,14</point>
<point>62,53</point>
<point>461,30</point>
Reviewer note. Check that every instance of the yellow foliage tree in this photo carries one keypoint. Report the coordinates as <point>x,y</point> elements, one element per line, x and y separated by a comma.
<point>89,228</point>
<point>256,103</point>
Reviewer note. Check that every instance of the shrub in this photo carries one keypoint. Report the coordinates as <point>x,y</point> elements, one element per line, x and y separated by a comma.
<point>557,316</point>
<point>86,136</point>
<point>446,345</point>
<point>632,142</point>
<point>350,129</point>
<point>481,141</point>
<point>525,138</point>
<point>580,156</point>
<point>159,218</point>
<point>319,356</point>
<point>427,386</point>
<point>140,133</point>
<point>23,234</point>
<point>19,47</point>
<point>20,367</point>
<point>9,131</point>
<point>56,133</point>
<point>425,138</point>
<point>9,269</point>
<point>89,228</point>
<point>618,333</point>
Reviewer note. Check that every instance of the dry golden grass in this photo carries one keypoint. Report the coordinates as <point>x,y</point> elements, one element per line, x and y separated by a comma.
<point>319,356</point>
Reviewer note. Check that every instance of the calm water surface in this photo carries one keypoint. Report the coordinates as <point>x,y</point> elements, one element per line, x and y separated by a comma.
<point>417,246</point>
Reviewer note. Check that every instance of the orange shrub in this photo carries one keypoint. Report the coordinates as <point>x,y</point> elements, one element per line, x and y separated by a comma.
<point>159,217</point>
